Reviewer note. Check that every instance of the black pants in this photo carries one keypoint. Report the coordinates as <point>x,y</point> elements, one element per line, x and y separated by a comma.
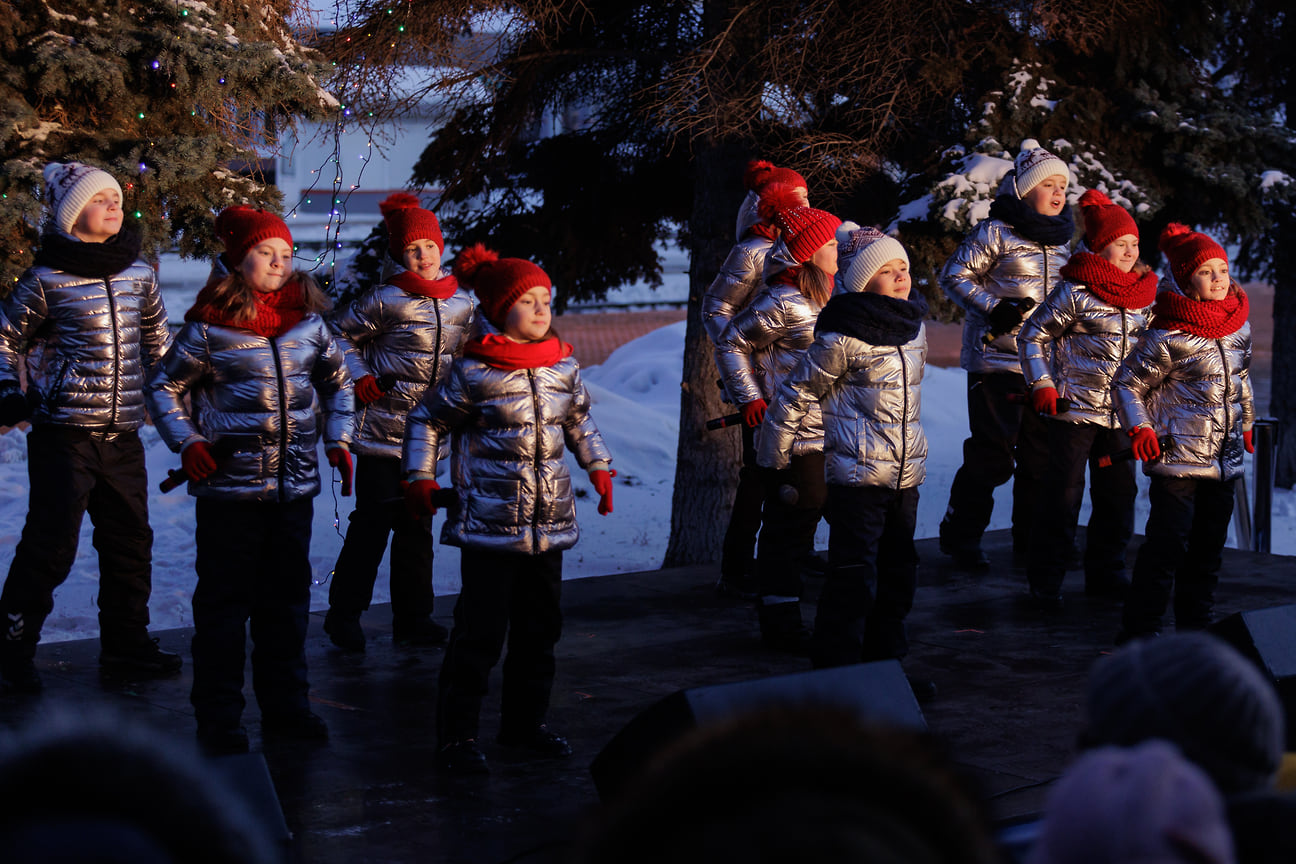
<point>794,502</point>
<point>253,563</point>
<point>745,517</point>
<point>1186,531</point>
<point>503,594</point>
<point>71,473</point>
<point>379,511</point>
<point>872,575</point>
<point>1008,441</point>
<point>1111,491</point>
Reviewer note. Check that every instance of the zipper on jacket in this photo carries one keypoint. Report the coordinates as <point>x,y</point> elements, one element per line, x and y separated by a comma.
<point>436,349</point>
<point>539,430</point>
<point>904,416</point>
<point>1124,352</point>
<point>116,386</point>
<point>1219,346</point>
<point>280,384</point>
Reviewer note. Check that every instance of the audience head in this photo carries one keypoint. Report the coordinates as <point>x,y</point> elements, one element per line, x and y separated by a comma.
<point>1196,691</point>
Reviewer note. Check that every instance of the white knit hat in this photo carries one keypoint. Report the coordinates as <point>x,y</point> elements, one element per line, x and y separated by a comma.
<point>69,186</point>
<point>1033,165</point>
<point>872,249</point>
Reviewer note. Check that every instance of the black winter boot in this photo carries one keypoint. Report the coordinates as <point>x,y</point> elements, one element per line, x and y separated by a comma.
<point>418,630</point>
<point>343,628</point>
<point>138,659</point>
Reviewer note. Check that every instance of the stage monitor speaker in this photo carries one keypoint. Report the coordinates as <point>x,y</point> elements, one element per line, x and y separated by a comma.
<point>1268,637</point>
<point>248,776</point>
<point>876,692</point>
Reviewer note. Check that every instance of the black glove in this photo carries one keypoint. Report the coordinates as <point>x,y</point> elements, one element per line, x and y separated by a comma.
<point>13,406</point>
<point>1005,316</point>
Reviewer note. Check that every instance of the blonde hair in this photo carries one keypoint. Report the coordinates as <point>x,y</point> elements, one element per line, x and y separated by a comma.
<point>814,284</point>
<point>231,296</point>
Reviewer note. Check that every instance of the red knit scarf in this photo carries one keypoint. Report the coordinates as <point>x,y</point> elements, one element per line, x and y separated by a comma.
<point>1213,319</point>
<point>503,353</point>
<point>764,230</point>
<point>276,312</point>
<point>1109,283</point>
<point>412,283</point>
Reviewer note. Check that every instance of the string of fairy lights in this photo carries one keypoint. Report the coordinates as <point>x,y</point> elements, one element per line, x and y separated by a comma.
<point>338,196</point>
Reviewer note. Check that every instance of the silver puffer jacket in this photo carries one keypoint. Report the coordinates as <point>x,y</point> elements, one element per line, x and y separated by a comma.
<point>414,339</point>
<point>872,402</point>
<point>258,396</point>
<point>1073,343</point>
<point>740,277</point>
<point>89,344</point>
<point>1195,389</point>
<point>996,263</point>
<point>508,430</point>
<point>760,347</point>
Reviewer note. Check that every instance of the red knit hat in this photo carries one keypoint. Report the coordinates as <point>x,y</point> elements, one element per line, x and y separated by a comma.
<point>1186,250</point>
<point>806,230</point>
<point>407,221</point>
<point>497,282</point>
<point>1104,221</point>
<point>761,172</point>
<point>241,227</point>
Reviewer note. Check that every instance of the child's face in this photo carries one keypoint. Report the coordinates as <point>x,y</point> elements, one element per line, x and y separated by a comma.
<point>1122,252</point>
<point>802,196</point>
<point>100,219</point>
<point>267,264</point>
<point>422,257</point>
<point>891,280</point>
<point>1049,196</point>
<point>528,319</point>
<point>826,258</point>
<point>1210,281</point>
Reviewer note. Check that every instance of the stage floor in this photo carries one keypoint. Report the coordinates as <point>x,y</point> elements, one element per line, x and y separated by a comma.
<point>1010,686</point>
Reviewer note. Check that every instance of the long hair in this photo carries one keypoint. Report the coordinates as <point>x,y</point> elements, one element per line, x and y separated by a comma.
<point>814,284</point>
<point>231,295</point>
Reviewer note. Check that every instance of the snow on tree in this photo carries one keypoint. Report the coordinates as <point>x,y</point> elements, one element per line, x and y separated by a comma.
<point>178,99</point>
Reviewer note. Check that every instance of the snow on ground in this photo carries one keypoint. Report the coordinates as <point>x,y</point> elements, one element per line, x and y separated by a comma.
<point>636,405</point>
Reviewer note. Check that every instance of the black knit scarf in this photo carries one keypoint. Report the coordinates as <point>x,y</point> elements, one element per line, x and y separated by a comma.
<point>94,260</point>
<point>873,318</point>
<point>1032,224</point>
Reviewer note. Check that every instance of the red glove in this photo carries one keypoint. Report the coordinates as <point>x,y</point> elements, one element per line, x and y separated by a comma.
<point>1044,400</point>
<point>1145,444</point>
<point>367,390</point>
<point>602,481</point>
<point>418,498</point>
<point>197,461</point>
<point>754,412</point>
<point>340,458</point>
<point>1248,442</point>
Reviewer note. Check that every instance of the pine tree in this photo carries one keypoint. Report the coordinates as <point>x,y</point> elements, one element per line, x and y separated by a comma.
<point>178,99</point>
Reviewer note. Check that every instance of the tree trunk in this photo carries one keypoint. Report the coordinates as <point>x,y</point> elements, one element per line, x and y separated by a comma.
<point>706,463</point>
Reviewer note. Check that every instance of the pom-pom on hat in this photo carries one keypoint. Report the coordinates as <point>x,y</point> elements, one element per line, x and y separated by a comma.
<point>872,249</point>
<point>1142,804</point>
<point>69,186</point>
<point>497,282</point>
<point>805,230</point>
<point>775,197</point>
<point>407,221</point>
<point>1186,250</point>
<point>1194,690</point>
<point>1033,165</point>
<point>242,227</point>
<point>1104,221</point>
<point>761,172</point>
